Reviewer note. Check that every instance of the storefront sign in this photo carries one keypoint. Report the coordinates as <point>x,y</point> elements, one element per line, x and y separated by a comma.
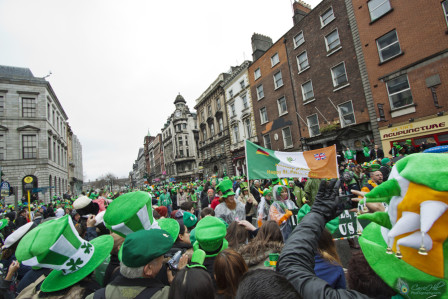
<point>416,128</point>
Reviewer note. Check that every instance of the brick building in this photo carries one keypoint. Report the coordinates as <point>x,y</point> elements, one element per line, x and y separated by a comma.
<point>147,149</point>
<point>214,139</point>
<point>405,47</point>
<point>273,102</point>
<point>326,79</point>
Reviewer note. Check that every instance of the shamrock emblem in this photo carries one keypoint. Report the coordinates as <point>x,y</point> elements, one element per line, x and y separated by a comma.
<point>74,265</point>
<point>87,247</point>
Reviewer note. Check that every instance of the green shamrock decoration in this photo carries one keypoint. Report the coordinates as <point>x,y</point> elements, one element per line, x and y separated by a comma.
<point>87,247</point>
<point>74,265</point>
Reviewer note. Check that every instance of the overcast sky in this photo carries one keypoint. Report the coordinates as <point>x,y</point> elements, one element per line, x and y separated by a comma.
<point>117,66</point>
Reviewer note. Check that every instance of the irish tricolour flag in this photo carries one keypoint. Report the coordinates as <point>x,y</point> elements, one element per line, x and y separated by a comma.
<point>263,163</point>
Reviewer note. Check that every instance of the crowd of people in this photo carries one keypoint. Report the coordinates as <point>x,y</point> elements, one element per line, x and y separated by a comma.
<point>234,238</point>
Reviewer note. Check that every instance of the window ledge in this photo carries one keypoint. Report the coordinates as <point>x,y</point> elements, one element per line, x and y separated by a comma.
<point>283,114</point>
<point>304,69</point>
<point>408,109</point>
<point>334,51</point>
<point>272,65</point>
<point>288,147</point>
<point>385,61</point>
<point>380,17</point>
<point>298,45</point>
<point>263,123</point>
<point>279,87</point>
<point>260,98</point>
<point>341,87</point>
<point>309,101</point>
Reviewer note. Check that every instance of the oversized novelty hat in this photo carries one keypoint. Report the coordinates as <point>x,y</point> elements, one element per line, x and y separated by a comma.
<point>56,244</point>
<point>129,213</point>
<point>189,219</point>
<point>85,206</point>
<point>171,226</point>
<point>18,234</point>
<point>407,245</point>
<point>244,186</point>
<point>226,187</point>
<point>3,223</point>
<point>210,236</point>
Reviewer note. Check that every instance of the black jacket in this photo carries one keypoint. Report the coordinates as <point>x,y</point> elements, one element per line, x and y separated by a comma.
<point>296,261</point>
<point>379,154</point>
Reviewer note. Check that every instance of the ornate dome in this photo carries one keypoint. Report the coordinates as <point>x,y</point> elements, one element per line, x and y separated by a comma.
<point>179,99</point>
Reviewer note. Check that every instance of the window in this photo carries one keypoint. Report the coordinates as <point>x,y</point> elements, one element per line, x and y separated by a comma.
<point>244,98</point>
<point>327,17</point>
<point>313,125</point>
<point>2,105</point>
<point>2,147</point>
<point>377,8</point>
<point>248,127</point>
<point>339,75</point>
<point>212,130</point>
<point>260,92</point>
<point>299,39</point>
<point>236,133</point>
<point>445,10</point>
<point>232,109</point>
<point>220,124</point>
<point>263,115</point>
<point>59,155</point>
<point>287,138</point>
<point>278,80</point>
<point>49,148</point>
<point>230,93</point>
<point>186,140</point>
<point>307,91</point>
<point>388,46</point>
<point>181,153</point>
<point>202,116</point>
<point>243,84</point>
<point>218,104</point>
<point>346,114</point>
<point>29,147</point>
<point>179,140</point>
<point>257,73</point>
<point>28,107</point>
<point>399,92</point>
<point>332,40</point>
<point>282,109</point>
<point>53,119</point>
<point>184,126</point>
<point>209,108</point>
<point>274,59</point>
<point>302,61</point>
<point>204,134</point>
<point>222,149</point>
<point>54,151</point>
<point>267,141</point>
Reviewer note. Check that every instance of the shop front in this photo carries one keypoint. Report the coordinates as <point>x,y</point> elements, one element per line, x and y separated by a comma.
<point>428,132</point>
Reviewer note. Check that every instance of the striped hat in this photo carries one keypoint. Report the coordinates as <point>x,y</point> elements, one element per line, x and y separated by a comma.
<point>129,213</point>
<point>56,244</point>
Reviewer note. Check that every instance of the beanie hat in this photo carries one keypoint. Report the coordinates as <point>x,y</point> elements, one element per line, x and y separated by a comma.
<point>189,219</point>
<point>210,236</point>
<point>129,213</point>
<point>384,161</point>
<point>143,246</point>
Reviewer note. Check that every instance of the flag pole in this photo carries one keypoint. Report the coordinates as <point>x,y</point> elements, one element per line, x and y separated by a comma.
<point>247,163</point>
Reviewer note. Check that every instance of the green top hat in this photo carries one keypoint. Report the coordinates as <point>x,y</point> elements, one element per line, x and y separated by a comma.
<point>143,246</point>
<point>129,213</point>
<point>226,187</point>
<point>243,186</point>
<point>55,244</point>
<point>171,226</point>
<point>374,167</point>
<point>189,219</point>
<point>210,236</point>
<point>267,192</point>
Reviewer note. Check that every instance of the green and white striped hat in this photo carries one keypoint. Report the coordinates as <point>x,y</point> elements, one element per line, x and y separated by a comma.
<point>129,213</point>
<point>56,244</point>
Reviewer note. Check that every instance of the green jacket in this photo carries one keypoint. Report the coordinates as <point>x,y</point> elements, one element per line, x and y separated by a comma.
<point>130,291</point>
<point>165,199</point>
<point>311,188</point>
<point>300,194</point>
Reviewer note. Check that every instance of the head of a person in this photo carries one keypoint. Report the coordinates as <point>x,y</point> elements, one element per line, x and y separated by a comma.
<point>257,183</point>
<point>143,253</point>
<point>184,234</point>
<point>284,194</point>
<point>164,190</point>
<point>194,283</point>
<point>327,248</point>
<point>269,232</point>
<point>213,183</point>
<point>363,279</point>
<point>237,235</point>
<point>187,206</point>
<point>264,283</point>
<point>228,268</point>
<point>376,146</point>
<point>376,177</point>
<point>207,211</point>
<point>211,193</point>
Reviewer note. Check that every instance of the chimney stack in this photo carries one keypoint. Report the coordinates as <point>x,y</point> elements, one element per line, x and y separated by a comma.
<point>260,44</point>
<point>301,9</point>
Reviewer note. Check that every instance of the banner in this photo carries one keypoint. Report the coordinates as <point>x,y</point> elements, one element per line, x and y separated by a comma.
<point>263,163</point>
<point>348,227</point>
